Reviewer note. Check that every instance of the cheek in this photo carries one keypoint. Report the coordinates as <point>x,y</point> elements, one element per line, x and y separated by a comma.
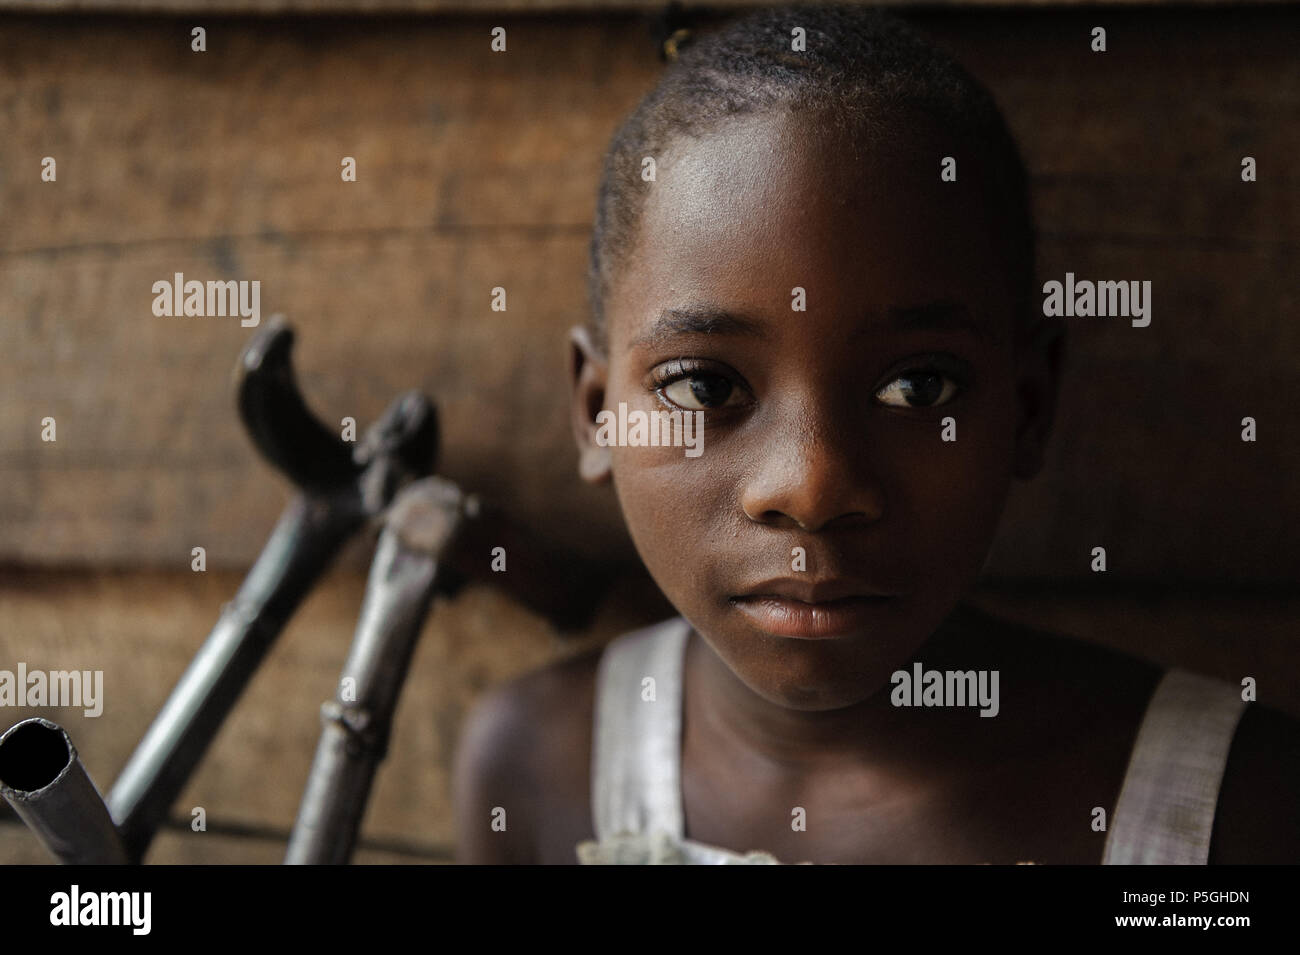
<point>669,499</point>
<point>668,503</point>
<point>945,497</point>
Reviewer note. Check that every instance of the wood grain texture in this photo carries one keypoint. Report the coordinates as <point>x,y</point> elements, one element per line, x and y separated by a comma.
<point>233,845</point>
<point>478,170</point>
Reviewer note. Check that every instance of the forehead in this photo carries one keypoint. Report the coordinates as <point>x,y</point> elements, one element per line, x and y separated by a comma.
<point>769,202</point>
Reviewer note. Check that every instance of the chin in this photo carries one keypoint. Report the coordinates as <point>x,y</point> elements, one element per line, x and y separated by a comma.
<point>809,683</point>
<point>810,698</point>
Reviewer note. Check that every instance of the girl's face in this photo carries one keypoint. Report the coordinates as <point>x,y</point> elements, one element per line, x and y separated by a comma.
<point>824,426</point>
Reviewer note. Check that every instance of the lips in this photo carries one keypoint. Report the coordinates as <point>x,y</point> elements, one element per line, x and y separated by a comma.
<point>812,610</point>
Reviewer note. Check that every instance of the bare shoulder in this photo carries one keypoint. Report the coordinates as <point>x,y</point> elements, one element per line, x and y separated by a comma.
<point>521,776</point>
<point>1257,819</point>
<point>1258,816</point>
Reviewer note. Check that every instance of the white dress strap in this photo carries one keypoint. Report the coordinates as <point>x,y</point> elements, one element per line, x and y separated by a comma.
<point>636,749</point>
<point>1166,806</point>
<point>636,777</point>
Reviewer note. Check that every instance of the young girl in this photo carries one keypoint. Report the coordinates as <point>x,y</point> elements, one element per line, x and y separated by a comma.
<point>815,231</point>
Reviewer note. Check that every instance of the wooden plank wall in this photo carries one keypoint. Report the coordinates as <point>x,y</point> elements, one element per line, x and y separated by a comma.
<point>479,170</point>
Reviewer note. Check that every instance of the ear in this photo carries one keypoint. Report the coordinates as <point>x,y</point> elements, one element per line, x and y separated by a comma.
<point>1039,378</point>
<point>589,372</point>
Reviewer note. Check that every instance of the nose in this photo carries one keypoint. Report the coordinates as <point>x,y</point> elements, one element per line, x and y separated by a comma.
<point>810,475</point>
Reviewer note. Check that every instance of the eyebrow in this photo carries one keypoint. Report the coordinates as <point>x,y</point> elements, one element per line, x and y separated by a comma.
<point>941,315</point>
<point>700,320</point>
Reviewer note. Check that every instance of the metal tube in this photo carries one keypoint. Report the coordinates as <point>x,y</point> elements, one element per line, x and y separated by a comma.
<point>356,723</point>
<point>308,535</point>
<point>343,487</point>
<point>43,779</point>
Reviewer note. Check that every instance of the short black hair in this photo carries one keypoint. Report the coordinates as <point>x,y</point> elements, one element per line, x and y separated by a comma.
<point>864,68</point>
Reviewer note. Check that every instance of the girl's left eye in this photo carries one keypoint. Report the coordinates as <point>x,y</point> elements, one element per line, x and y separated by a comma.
<point>918,388</point>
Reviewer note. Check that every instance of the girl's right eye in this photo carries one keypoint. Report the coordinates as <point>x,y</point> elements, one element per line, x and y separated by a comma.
<point>693,387</point>
<point>701,392</point>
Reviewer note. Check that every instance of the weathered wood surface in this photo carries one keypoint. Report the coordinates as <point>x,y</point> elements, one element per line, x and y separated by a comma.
<point>479,169</point>
<point>234,845</point>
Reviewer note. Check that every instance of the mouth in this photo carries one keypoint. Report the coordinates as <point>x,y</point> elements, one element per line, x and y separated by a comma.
<point>812,611</point>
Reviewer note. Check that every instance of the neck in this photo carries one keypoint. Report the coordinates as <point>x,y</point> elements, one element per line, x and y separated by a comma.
<point>872,730</point>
